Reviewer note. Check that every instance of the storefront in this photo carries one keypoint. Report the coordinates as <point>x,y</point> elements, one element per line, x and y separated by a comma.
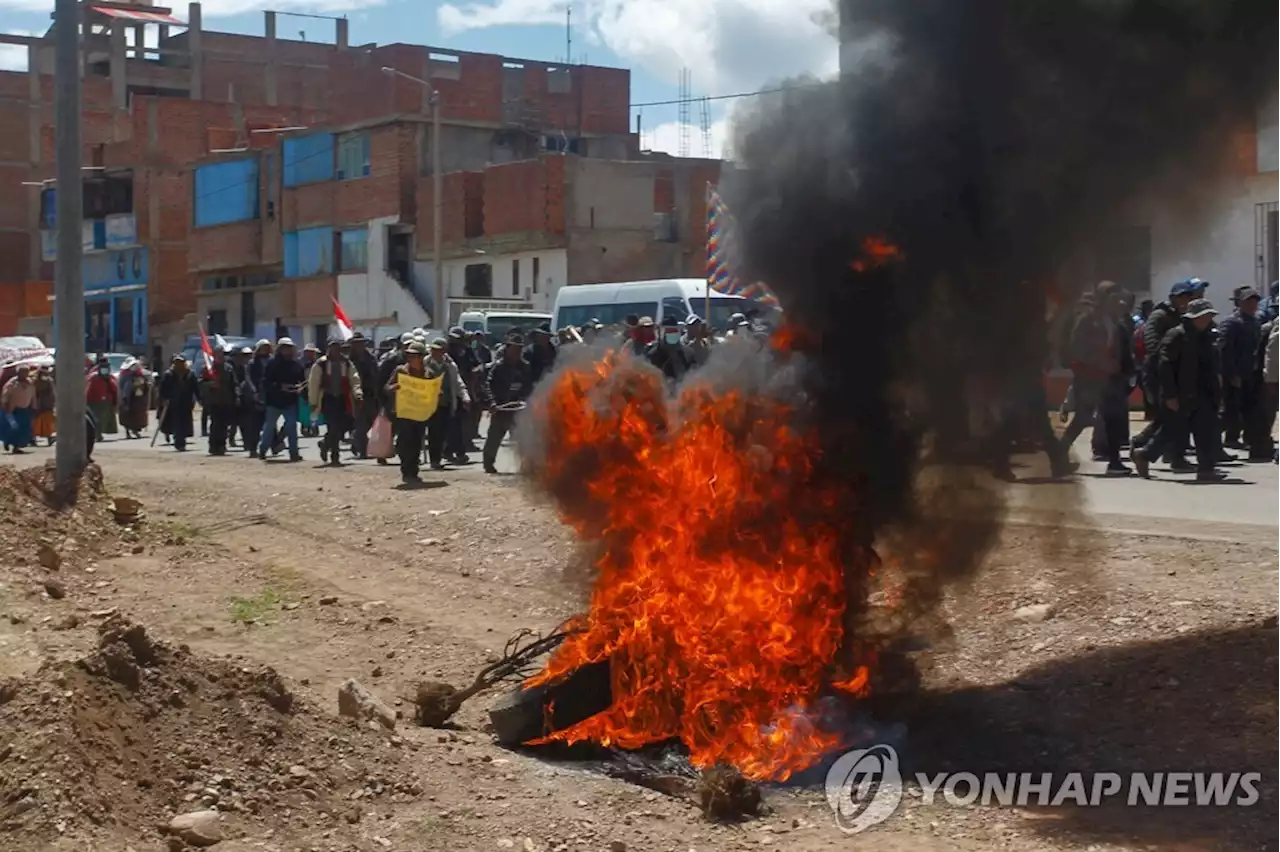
<point>115,301</point>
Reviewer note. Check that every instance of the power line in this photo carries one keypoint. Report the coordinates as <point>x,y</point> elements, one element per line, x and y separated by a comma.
<point>732,96</point>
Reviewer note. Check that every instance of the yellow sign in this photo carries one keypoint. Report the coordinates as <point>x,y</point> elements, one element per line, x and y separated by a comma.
<point>416,399</point>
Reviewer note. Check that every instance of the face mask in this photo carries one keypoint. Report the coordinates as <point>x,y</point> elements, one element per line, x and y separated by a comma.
<point>671,339</point>
<point>104,371</point>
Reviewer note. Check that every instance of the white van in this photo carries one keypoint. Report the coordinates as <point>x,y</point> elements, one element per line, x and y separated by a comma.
<point>496,324</point>
<point>576,304</point>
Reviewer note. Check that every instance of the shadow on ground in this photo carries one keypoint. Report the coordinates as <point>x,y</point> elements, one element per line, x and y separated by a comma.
<point>1203,702</point>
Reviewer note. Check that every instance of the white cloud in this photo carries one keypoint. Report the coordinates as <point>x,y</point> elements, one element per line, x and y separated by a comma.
<point>666,137</point>
<point>728,45</point>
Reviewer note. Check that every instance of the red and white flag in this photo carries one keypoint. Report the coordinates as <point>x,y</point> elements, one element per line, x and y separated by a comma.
<point>206,350</point>
<point>344,324</point>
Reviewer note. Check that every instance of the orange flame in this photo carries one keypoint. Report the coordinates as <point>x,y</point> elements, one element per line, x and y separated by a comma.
<point>876,251</point>
<point>720,595</point>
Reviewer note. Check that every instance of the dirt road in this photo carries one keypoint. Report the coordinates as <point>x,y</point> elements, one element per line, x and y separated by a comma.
<point>1156,652</point>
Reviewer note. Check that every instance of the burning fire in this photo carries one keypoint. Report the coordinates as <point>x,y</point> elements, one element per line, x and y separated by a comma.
<point>720,596</point>
<point>876,251</point>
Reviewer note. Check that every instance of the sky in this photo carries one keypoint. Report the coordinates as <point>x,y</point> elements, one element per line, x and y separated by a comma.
<point>728,46</point>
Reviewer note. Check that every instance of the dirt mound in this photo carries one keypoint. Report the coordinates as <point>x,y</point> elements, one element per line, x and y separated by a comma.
<point>72,521</point>
<point>137,731</point>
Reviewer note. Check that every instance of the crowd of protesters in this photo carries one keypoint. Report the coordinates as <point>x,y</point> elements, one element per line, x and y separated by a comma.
<point>261,399</point>
<point>1206,386</point>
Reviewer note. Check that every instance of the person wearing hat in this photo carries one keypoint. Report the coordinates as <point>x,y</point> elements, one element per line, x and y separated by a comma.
<point>366,367</point>
<point>466,427</point>
<point>282,383</point>
<point>508,382</point>
<point>135,398</point>
<point>541,355</point>
<point>179,392</point>
<point>639,336</point>
<point>1189,393</point>
<point>218,394</point>
<point>17,410</point>
<point>667,352</point>
<point>240,359</point>
<point>1163,318</point>
<point>252,396</point>
<point>591,330</point>
<point>102,395</point>
<point>443,428</point>
<point>696,340</point>
<point>309,421</point>
<point>1239,337</point>
<point>45,424</point>
<point>1101,362</point>
<point>334,390</point>
<point>409,433</point>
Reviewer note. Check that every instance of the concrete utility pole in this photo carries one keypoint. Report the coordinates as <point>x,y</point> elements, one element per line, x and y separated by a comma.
<point>68,276</point>
<point>437,191</point>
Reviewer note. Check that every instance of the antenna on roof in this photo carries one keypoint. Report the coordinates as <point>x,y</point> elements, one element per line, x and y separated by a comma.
<point>568,34</point>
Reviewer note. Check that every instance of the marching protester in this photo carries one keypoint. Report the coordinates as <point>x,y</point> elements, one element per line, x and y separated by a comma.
<point>1100,366</point>
<point>333,389</point>
<point>667,352</point>
<point>697,340</point>
<point>409,433</point>
<point>391,361</point>
<point>1165,317</point>
<point>254,401</point>
<point>467,426</point>
<point>1270,379</point>
<point>179,391</point>
<point>17,404</point>
<point>452,404</point>
<point>506,387</point>
<point>45,423</point>
<point>240,361</point>
<point>308,420</point>
<point>102,395</point>
<point>283,379</point>
<point>135,398</point>
<point>638,336</point>
<point>366,367</point>
<point>541,355</point>
<point>1239,337</point>
<point>218,392</point>
<point>1189,391</point>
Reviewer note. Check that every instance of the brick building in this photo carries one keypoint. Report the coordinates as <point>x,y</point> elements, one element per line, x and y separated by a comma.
<point>244,181</point>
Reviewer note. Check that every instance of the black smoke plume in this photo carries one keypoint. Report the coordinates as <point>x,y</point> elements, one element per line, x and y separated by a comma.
<point>993,142</point>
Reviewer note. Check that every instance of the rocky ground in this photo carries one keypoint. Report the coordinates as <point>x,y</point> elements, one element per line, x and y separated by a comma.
<point>174,680</point>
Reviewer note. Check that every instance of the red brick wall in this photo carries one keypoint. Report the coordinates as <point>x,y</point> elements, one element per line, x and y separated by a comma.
<point>392,166</point>
<point>14,247</point>
<point>525,196</point>
<point>453,202</point>
<point>170,291</point>
<point>227,246</point>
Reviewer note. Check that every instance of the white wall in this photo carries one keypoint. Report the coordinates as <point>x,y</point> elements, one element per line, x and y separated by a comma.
<point>553,273</point>
<point>373,297</point>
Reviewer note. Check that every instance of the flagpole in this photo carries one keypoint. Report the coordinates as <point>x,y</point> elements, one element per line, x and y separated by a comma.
<point>707,302</point>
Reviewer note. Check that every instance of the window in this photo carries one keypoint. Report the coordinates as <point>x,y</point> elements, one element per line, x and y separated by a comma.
<point>515,277</point>
<point>217,322</point>
<point>674,307</point>
<point>353,156</point>
<point>609,314</point>
<point>353,250</point>
<point>308,252</point>
<point>537,272</point>
<point>308,159</point>
<point>478,281</point>
<point>226,192</point>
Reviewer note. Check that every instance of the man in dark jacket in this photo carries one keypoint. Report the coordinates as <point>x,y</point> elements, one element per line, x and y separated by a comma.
<point>1117,392</point>
<point>366,367</point>
<point>179,391</point>
<point>1099,372</point>
<point>218,393</point>
<point>467,426</point>
<point>667,353</point>
<point>1238,338</point>
<point>391,361</point>
<point>1188,391</point>
<point>541,356</point>
<point>1165,317</point>
<point>283,381</point>
<point>255,405</point>
<point>509,382</point>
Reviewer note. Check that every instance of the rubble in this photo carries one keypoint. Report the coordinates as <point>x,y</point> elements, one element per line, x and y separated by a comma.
<point>355,701</point>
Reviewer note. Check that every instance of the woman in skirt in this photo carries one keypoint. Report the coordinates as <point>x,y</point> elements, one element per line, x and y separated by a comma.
<point>135,398</point>
<point>46,400</point>
<point>102,395</point>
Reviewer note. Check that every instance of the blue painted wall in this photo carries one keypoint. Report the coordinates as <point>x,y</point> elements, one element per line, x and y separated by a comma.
<point>308,159</point>
<point>115,269</point>
<point>226,192</point>
<point>308,252</point>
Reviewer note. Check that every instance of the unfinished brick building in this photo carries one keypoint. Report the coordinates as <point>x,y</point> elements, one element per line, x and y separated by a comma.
<point>244,181</point>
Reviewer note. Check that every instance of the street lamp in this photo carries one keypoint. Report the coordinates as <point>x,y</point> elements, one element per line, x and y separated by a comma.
<point>440,306</point>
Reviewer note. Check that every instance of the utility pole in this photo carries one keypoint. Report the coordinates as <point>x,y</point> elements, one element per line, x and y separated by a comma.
<point>68,276</point>
<point>437,190</point>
